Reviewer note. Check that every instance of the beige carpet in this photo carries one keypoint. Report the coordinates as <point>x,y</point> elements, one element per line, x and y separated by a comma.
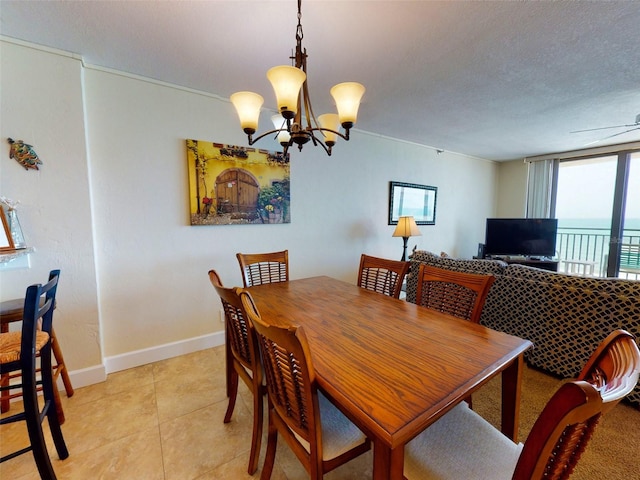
<point>612,454</point>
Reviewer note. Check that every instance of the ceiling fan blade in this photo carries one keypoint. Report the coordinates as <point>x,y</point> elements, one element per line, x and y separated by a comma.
<point>611,136</point>
<point>605,128</point>
<point>622,133</point>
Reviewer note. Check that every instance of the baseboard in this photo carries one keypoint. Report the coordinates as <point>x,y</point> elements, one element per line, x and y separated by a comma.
<point>116,363</point>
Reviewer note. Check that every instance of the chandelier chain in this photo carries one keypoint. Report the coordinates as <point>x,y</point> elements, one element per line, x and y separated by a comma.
<point>299,34</point>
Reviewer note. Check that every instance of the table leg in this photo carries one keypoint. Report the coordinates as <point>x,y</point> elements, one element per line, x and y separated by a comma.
<point>511,389</point>
<point>388,464</point>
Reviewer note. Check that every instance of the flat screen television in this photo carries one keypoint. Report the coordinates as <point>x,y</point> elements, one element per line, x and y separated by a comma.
<point>532,237</point>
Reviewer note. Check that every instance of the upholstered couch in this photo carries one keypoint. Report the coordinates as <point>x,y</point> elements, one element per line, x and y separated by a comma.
<point>565,316</point>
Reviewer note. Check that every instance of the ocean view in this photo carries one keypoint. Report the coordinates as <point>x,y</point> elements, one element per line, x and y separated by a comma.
<point>602,225</point>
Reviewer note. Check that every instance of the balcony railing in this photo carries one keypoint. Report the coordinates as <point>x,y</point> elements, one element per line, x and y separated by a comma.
<point>586,251</point>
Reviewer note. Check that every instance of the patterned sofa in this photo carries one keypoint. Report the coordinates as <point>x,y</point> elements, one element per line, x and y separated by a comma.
<point>565,316</point>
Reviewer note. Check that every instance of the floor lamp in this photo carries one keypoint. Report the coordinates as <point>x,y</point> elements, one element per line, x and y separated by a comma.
<point>406,228</point>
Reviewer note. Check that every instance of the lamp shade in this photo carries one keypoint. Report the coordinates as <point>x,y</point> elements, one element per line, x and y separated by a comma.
<point>279,123</point>
<point>287,82</point>
<point>406,228</point>
<point>329,120</point>
<point>248,107</point>
<point>347,97</point>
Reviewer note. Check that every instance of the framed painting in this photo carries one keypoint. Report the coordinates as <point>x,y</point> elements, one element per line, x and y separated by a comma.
<point>231,185</point>
<point>410,199</point>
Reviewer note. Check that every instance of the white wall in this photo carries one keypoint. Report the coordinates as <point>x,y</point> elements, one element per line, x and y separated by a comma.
<point>134,258</point>
<point>41,103</point>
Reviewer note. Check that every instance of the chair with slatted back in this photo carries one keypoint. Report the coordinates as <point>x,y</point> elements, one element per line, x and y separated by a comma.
<point>260,268</point>
<point>316,431</point>
<point>462,444</point>
<point>242,361</point>
<point>382,275</point>
<point>609,361</point>
<point>18,351</point>
<point>457,293</point>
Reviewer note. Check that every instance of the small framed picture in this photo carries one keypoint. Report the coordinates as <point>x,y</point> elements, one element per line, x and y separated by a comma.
<point>410,199</point>
<point>6,240</point>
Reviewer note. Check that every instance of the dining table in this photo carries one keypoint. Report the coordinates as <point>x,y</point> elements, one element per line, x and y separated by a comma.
<point>393,367</point>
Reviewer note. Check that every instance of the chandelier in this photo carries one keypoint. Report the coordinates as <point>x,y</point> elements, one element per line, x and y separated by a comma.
<point>292,94</point>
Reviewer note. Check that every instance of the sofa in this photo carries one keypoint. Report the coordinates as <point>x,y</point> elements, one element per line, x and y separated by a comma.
<point>565,316</point>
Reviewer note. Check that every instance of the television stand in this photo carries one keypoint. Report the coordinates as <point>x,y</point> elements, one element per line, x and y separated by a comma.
<point>544,263</point>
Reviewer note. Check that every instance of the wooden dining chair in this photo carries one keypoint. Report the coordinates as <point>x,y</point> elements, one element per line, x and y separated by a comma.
<point>382,275</point>
<point>18,351</point>
<point>242,359</point>
<point>260,268</point>
<point>462,444</point>
<point>457,293</point>
<point>610,361</point>
<point>316,431</point>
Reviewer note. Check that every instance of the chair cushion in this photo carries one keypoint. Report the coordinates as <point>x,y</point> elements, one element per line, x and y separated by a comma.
<point>461,445</point>
<point>339,434</point>
<point>10,345</point>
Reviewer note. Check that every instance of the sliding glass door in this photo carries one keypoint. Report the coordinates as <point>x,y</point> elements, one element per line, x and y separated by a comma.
<point>597,204</point>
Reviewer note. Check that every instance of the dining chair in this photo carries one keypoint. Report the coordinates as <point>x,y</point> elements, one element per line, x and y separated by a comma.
<point>242,361</point>
<point>462,444</point>
<point>457,293</point>
<point>13,311</point>
<point>18,351</point>
<point>260,268</point>
<point>316,431</point>
<point>382,275</point>
<point>609,361</point>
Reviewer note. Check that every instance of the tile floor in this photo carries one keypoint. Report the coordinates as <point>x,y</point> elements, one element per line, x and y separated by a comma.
<point>161,421</point>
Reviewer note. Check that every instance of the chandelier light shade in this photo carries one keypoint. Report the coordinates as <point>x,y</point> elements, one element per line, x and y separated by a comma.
<point>292,96</point>
<point>347,96</point>
<point>248,107</point>
<point>281,126</point>
<point>287,82</point>
<point>406,228</point>
<point>330,122</point>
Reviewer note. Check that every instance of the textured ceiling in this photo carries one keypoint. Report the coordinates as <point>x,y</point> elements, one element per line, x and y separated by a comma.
<point>497,80</point>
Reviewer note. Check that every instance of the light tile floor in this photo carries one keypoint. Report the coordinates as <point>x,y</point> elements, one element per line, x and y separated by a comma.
<point>162,421</point>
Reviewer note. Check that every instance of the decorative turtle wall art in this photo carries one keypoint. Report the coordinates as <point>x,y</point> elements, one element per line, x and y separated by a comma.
<point>24,154</point>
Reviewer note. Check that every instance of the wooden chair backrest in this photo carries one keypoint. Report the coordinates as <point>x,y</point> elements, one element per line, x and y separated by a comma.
<point>565,426</point>
<point>614,367</point>
<point>241,336</point>
<point>382,275</point>
<point>38,309</point>
<point>290,377</point>
<point>260,268</point>
<point>457,293</point>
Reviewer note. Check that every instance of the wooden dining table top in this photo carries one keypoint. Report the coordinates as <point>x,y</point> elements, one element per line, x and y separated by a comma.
<point>391,366</point>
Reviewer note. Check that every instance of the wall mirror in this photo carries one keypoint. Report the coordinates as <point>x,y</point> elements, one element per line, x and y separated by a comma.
<point>410,199</point>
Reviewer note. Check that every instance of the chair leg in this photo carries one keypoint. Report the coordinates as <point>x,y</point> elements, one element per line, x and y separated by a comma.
<point>270,456</point>
<point>5,401</point>
<point>34,425</point>
<point>49,390</point>
<point>61,367</point>
<point>233,394</point>
<point>58,403</point>
<point>258,419</point>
